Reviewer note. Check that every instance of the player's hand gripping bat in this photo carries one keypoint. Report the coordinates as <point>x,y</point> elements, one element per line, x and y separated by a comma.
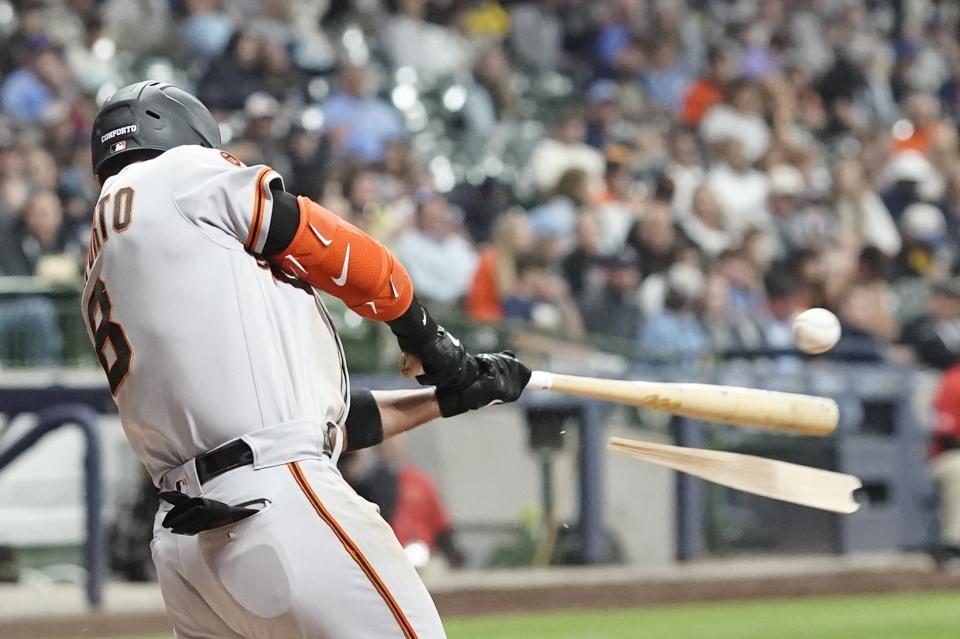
<point>773,410</point>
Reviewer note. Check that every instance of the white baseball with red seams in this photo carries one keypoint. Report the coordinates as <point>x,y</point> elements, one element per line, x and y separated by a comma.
<point>816,331</point>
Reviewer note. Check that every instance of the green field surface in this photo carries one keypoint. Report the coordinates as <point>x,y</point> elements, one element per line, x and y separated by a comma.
<point>914,616</point>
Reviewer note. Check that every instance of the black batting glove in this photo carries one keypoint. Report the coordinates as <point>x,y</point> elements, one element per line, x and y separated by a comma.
<point>192,515</point>
<point>446,363</point>
<point>501,378</point>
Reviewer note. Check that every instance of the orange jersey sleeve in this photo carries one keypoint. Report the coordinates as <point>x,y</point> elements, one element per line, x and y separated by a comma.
<point>336,257</point>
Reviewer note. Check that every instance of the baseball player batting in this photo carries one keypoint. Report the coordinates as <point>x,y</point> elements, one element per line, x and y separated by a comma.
<point>201,300</point>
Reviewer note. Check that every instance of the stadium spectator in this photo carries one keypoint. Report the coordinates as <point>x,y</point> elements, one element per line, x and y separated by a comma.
<point>862,214</point>
<point>36,235</point>
<point>586,253</point>
<point>536,33</point>
<point>408,498</point>
<point>707,91</point>
<point>608,301</point>
<point>731,332</point>
<point>934,336</point>
<point>655,238</point>
<point>492,96</point>
<point>35,244</point>
<point>207,27</point>
<point>615,49</point>
<point>665,80</point>
<point>741,190</point>
<point>684,169</point>
<point>231,77</point>
<point>618,207</point>
<point>441,49</point>
<point>265,146</point>
<point>924,249</point>
<point>564,151</point>
<point>921,126</point>
<point>603,113</point>
<point>440,261</point>
<point>28,91</point>
<point>369,207</point>
<point>675,333</point>
<point>542,298</point>
<point>739,117</point>
<point>704,224</point>
<point>359,124</point>
<point>786,297</point>
<point>496,274</point>
<point>557,216</point>
<point>13,185</point>
<point>797,223</point>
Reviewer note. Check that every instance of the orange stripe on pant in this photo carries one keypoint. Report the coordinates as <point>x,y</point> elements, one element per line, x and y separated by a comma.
<point>353,550</point>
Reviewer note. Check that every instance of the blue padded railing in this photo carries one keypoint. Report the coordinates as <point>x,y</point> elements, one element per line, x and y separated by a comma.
<point>49,420</point>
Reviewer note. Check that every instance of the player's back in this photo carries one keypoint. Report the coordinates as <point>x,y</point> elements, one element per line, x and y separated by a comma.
<point>199,340</point>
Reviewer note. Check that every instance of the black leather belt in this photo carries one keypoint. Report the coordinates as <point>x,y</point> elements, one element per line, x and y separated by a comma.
<point>229,456</point>
<point>238,453</point>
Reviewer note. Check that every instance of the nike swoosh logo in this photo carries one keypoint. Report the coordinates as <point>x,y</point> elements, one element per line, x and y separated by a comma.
<point>342,280</point>
<point>393,289</point>
<point>322,239</point>
<point>453,339</point>
<point>424,311</point>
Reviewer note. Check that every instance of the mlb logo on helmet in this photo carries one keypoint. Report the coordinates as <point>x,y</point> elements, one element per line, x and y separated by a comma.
<point>118,146</point>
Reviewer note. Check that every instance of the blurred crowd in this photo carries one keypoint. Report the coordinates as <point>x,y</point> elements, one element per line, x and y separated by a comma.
<point>681,175</point>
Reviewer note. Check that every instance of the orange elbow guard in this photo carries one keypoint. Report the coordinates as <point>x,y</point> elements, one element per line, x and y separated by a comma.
<point>336,257</point>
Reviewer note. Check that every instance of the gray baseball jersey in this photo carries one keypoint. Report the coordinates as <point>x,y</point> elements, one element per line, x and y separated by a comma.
<point>200,342</point>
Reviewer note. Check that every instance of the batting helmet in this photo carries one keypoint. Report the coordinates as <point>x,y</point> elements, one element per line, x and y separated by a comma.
<point>150,116</point>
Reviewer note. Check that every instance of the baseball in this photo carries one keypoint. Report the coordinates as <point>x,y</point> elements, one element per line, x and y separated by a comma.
<point>816,330</point>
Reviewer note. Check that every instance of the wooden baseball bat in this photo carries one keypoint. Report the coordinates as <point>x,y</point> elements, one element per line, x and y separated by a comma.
<point>773,410</point>
<point>813,487</point>
<point>788,412</point>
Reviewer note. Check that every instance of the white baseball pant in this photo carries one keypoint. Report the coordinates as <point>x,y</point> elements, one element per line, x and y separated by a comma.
<point>317,561</point>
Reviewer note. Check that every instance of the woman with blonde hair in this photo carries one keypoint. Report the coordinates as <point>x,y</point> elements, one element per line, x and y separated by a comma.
<point>496,273</point>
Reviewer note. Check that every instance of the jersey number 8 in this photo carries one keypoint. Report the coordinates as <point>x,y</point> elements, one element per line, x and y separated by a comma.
<point>107,332</point>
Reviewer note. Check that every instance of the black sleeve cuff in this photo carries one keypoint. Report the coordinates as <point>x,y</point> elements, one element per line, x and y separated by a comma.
<point>284,221</point>
<point>364,425</point>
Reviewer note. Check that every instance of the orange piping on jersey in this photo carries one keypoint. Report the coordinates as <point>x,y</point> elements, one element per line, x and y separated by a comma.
<point>330,254</point>
<point>260,199</point>
<point>354,551</point>
<point>101,205</point>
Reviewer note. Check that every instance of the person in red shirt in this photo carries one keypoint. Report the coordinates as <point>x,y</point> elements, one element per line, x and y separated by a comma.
<point>945,453</point>
<point>407,497</point>
<point>708,90</point>
<point>496,272</point>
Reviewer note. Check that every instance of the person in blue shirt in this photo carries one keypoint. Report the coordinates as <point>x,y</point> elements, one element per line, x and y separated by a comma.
<point>358,124</point>
<point>27,92</point>
<point>675,334</point>
<point>665,81</point>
